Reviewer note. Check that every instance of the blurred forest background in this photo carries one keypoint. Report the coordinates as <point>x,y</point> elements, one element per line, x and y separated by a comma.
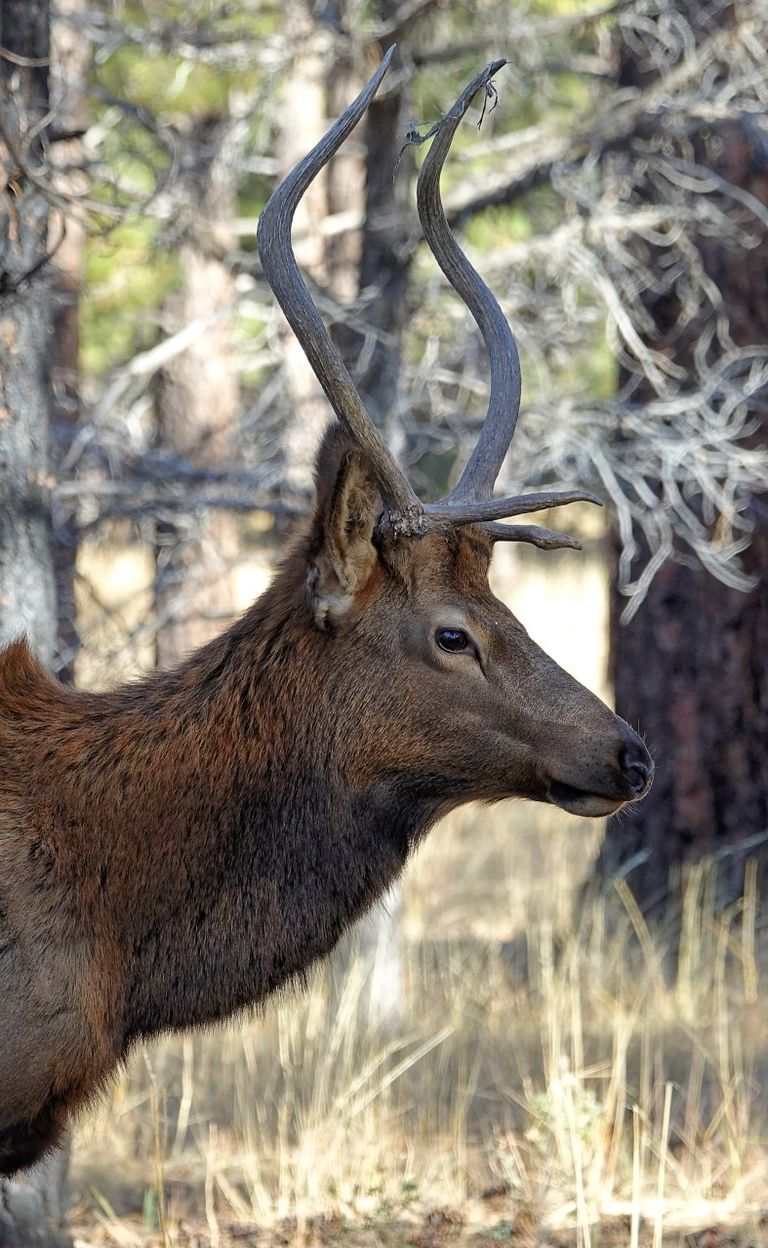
<point>557,1030</point>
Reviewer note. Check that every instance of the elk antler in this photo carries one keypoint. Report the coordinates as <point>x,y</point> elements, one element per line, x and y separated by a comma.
<point>470,502</point>
<point>282,272</point>
<point>466,502</point>
<point>483,467</point>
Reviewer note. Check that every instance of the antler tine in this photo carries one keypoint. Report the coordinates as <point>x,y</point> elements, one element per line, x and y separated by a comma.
<point>282,272</point>
<point>451,513</point>
<point>534,535</point>
<point>483,467</point>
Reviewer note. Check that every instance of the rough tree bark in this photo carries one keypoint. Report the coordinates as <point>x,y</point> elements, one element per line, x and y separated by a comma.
<point>32,1210</point>
<point>385,257</point>
<point>691,669</point>
<point>198,402</point>
<point>70,61</point>
<point>25,566</point>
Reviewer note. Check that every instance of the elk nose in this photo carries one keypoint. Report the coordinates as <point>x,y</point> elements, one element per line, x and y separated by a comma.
<point>635,762</point>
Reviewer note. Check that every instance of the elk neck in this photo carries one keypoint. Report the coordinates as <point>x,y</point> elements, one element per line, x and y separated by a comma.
<point>212,804</point>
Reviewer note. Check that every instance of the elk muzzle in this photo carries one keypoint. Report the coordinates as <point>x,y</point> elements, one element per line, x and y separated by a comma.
<point>622,773</point>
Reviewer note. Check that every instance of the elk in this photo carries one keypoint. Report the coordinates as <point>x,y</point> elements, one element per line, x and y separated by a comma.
<point>176,850</point>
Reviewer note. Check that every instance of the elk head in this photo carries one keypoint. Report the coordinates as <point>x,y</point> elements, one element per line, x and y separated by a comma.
<point>439,687</point>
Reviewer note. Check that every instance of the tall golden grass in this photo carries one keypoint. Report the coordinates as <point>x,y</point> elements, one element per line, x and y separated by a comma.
<point>589,1074</point>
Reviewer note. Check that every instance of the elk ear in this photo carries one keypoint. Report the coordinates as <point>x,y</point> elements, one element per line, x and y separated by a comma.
<point>342,554</point>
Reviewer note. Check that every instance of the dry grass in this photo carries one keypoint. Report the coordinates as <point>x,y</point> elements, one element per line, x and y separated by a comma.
<point>585,1079</point>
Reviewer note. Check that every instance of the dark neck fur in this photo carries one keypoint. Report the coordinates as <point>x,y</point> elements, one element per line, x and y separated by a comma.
<point>279,853</point>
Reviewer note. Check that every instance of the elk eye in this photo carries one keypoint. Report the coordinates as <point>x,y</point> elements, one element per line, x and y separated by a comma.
<point>454,640</point>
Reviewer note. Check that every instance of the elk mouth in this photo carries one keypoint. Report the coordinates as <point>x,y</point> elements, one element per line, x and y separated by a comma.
<point>583,802</point>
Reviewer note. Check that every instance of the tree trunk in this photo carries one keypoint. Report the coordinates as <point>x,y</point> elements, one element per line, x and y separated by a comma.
<point>27,603</point>
<point>198,404</point>
<point>32,1210</point>
<point>691,669</point>
<point>71,57</point>
<point>385,259</point>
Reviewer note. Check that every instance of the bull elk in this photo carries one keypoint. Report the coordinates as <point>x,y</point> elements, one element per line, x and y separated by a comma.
<point>176,850</point>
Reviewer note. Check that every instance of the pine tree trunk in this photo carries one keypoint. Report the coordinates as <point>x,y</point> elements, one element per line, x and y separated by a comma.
<point>26,587</point>
<point>691,669</point>
<point>70,60</point>
<point>32,1209</point>
<point>385,260</point>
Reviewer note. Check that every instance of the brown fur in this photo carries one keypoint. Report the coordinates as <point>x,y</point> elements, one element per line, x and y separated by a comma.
<point>176,850</point>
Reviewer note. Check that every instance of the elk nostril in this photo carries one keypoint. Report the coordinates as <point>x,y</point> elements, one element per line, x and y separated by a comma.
<point>635,762</point>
